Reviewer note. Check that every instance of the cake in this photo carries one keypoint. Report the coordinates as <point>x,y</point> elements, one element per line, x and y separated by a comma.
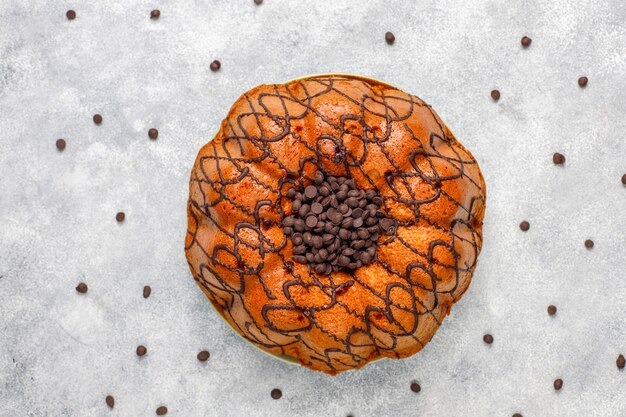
<point>335,220</point>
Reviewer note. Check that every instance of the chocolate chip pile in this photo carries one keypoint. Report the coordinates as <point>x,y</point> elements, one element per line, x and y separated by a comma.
<point>335,225</point>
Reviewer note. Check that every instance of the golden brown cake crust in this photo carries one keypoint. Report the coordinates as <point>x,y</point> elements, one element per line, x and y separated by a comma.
<point>275,138</point>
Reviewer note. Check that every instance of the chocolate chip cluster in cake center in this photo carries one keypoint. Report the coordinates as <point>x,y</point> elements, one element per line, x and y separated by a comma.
<point>334,225</point>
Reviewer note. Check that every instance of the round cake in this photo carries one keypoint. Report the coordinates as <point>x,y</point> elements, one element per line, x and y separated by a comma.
<point>335,220</point>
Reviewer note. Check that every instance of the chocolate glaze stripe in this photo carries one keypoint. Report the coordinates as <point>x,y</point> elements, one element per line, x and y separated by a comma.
<point>350,161</point>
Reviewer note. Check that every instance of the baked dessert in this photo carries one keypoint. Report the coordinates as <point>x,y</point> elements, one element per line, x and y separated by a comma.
<point>334,219</point>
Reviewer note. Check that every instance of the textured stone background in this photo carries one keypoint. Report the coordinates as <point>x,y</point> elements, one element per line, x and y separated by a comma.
<point>61,353</point>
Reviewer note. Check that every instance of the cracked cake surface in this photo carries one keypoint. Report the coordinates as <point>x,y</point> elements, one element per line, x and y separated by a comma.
<point>334,219</point>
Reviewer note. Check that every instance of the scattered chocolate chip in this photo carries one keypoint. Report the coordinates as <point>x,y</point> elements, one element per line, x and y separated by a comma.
<point>390,38</point>
<point>524,226</point>
<point>589,243</point>
<point>97,119</point>
<point>141,350</point>
<point>276,393</point>
<point>517,415</point>
<point>82,288</point>
<point>558,384</point>
<point>415,387</point>
<point>558,159</point>
<point>526,41</point>
<point>60,144</point>
<point>624,179</point>
<point>120,216</point>
<point>488,339</point>
<point>71,15</point>
<point>147,291</point>
<point>620,362</point>
<point>155,14</point>
<point>258,2</point>
<point>153,133</point>
<point>110,401</point>
<point>161,411</point>
<point>215,65</point>
<point>495,95</point>
<point>551,310</point>
<point>203,356</point>
<point>582,81</point>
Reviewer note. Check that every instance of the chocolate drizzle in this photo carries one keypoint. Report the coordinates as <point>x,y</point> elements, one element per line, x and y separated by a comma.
<point>392,151</point>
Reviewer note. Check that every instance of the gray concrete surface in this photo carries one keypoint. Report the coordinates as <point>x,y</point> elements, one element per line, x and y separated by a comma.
<point>61,353</point>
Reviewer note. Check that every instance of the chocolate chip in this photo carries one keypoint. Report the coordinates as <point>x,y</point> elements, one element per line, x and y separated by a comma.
<point>526,41</point>
<point>488,339</point>
<point>97,119</point>
<point>551,310</point>
<point>161,411</point>
<point>582,81</point>
<point>624,179</point>
<point>304,209</point>
<point>352,202</point>
<point>317,242</point>
<point>82,288</point>
<point>343,260</point>
<point>299,259</point>
<point>310,192</point>
<point>276,393</point>
<point>558,384</point>
<point>558,158</point>
<point>120,216</point>
<point>620,362</point>
<point>203,356</point>
<point>390,38</point>
<point>153,133</point>
<point>362,234</point>
<point>141,350</point>
<point>110,401</point>
<point>215,65</point>
<point>415,387</point>
<point>70,14</point>
<point>517,415</point>
<point>495,95</point>
<point>358,244</point>
<point>387,225</point>
<point>347,223</point>
<point>258,2</point>
<point>311,221</point>
<point>589,243</point>
<point>524,226</point>
<point>317,208</point>
<point>366,258</point>
<point>155,14</point>
<point>60,144</point>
